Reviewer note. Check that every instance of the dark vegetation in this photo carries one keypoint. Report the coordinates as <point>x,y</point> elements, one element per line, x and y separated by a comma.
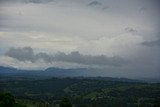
<point>8,100</point>
<point>80,92</point>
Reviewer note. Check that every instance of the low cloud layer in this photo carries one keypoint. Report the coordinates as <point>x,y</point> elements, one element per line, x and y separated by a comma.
<point>152,43</point>
<point>23,54</point>
<point>27,54</point>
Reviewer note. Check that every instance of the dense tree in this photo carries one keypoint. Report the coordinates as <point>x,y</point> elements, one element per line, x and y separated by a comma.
<point>8,100</point>
<point>157,102</point>
<point>65,102</point>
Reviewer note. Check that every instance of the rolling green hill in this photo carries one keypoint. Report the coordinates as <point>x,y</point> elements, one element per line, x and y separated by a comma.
<point>84,92</point>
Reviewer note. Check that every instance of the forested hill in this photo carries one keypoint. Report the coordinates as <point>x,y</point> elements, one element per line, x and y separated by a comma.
<point>83,92</point>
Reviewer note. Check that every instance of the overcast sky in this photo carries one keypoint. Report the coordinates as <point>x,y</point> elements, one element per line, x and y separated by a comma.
<point>119,37</point>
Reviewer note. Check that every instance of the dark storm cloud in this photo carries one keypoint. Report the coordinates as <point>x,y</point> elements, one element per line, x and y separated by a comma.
<point>152,43</point>
<point>27,54</point>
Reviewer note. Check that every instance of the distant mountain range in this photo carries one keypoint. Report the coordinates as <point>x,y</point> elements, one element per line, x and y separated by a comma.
<point>7,70</point>
<point>60,72</point>
<point>49,72</point>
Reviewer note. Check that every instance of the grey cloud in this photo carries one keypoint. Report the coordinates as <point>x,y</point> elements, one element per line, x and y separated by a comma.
<point>21,54</point>
<point>131,30</point>
<point>38,1</point>
<point>88,59</point>
<point>45,57</point>
<point>26,1</point>
<point>27,54</point>
<point>98,4</point>
<point>152,43</point>
<point>95,3</point>
<point>142,9</point>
